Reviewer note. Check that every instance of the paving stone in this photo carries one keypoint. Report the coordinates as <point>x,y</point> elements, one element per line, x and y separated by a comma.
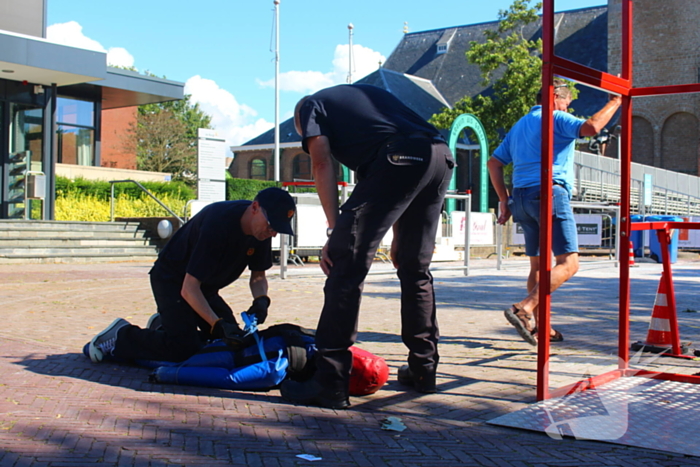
<point>61,409</point>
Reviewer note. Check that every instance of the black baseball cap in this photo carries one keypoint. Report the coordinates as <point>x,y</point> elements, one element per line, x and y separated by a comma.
<point>279,208</point>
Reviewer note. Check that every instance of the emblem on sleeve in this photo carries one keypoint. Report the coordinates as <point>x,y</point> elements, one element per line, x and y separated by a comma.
<point>251,251</point>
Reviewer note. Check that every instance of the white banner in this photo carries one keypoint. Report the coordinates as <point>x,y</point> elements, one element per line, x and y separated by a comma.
<point>689,238</point>
<point>588,226</point>
<point>211,166</point>
<point>310,230</point>
<point>481,232</point>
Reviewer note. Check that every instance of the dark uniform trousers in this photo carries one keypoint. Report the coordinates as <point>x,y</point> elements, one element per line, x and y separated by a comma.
<point>180,336</point>
<point>406,184</point>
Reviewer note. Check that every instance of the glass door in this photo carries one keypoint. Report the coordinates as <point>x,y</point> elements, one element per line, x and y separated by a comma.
<point>25,174</point>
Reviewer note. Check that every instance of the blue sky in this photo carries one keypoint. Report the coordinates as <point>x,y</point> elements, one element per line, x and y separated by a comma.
<point>222,49</point>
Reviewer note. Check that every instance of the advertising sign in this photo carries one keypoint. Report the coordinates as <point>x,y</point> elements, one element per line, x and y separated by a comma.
<point>648,186</point>
<point>689,238</point>
<point>211,166</point>
<point>481,233</point>
<point>588,226</point>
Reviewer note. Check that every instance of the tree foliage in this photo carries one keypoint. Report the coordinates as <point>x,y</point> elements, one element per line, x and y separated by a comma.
<point>191,115</point>
<point>511,64</point>
<point>164,138</point>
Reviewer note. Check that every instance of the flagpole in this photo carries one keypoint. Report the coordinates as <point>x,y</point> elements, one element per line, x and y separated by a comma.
<point>351,173</point>
<point>277,91</point>
<point>350,28</point>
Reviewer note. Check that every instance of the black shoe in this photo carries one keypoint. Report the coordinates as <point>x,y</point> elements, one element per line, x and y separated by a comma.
<point>311,392</point>
<point>155,322</point>
<point>102,345</point>
<point>424,384</point>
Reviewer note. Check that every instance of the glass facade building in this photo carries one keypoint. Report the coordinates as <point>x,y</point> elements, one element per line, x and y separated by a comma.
<point>51,102</point>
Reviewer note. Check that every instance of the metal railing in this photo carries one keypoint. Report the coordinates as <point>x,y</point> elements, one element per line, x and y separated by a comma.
<point>597,185</point>
<point>467,198</point>
<point>612,243</point>
<point>111,200</point>
<point>286,248</point>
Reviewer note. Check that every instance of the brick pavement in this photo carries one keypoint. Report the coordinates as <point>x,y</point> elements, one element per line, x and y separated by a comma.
<point>60,409</point>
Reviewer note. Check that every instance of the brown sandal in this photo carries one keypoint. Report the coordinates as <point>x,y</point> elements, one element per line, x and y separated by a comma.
<point>521,321</point>
<point>557,337</point>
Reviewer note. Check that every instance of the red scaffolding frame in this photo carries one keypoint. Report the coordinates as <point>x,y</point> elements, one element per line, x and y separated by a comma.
<point>554,65</point>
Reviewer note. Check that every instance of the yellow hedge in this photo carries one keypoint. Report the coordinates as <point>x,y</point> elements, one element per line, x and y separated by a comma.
<point>89,208</point>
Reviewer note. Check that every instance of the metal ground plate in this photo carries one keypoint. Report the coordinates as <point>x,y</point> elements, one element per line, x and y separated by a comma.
<point>633,411</point>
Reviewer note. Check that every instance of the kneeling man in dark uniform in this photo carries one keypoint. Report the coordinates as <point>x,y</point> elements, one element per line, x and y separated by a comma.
<point>208,253</point>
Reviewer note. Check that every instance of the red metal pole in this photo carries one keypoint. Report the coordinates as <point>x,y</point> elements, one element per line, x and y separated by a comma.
<point>663,90</point>
<point>625,186</point>
<point>627,46</point>
<point>545,200</point>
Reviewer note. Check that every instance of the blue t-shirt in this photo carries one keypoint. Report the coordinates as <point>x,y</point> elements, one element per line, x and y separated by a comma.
<point>523,147</point>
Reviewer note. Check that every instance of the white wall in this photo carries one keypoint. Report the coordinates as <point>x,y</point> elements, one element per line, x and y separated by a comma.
<point>107,173</point>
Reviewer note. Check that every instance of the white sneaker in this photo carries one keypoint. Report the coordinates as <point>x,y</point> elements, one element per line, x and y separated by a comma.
<point>103,343</point>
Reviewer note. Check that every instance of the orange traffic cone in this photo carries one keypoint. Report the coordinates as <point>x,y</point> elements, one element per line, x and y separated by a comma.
<point>631,253</point>
<point>660,325</point>
<point>659,336</point>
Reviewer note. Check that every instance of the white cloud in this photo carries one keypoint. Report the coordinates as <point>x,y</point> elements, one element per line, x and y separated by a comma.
<point>301,81</point>
<point>71,34</point>
<point>236,122</point>
<point>365,61</point>
<point>118,56</point>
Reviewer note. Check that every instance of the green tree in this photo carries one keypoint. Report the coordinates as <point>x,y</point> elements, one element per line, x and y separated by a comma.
<point>160,144</point>
<point>191,115</point>
<point>511,64</point>
<point>164,138</point>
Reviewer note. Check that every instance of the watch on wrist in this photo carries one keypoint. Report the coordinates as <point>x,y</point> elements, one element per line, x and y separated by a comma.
<point>329,231</point>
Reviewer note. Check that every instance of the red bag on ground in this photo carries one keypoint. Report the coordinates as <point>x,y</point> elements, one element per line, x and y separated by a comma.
<point>369,372</point>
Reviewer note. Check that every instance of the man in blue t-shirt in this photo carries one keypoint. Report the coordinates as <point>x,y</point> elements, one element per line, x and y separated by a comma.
<point>522,147</point>
<point>208,253</point>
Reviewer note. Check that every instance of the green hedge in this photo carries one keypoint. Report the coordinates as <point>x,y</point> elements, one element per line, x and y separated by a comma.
<point>66,187</point>
<point>236,188</point>
<point>242,188</point>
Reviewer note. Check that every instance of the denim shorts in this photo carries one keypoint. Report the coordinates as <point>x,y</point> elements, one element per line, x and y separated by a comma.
<point>525,208</point>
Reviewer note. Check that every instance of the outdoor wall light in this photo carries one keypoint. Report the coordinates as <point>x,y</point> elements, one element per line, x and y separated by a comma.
<point>165,229</point>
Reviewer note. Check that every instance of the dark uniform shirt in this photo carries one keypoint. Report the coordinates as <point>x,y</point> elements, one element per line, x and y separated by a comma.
<point>357,119</point>
<point>213,248</point>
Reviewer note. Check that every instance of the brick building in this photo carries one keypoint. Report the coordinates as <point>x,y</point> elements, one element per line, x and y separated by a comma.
<point>115,125</point>
<point>666,39</point>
